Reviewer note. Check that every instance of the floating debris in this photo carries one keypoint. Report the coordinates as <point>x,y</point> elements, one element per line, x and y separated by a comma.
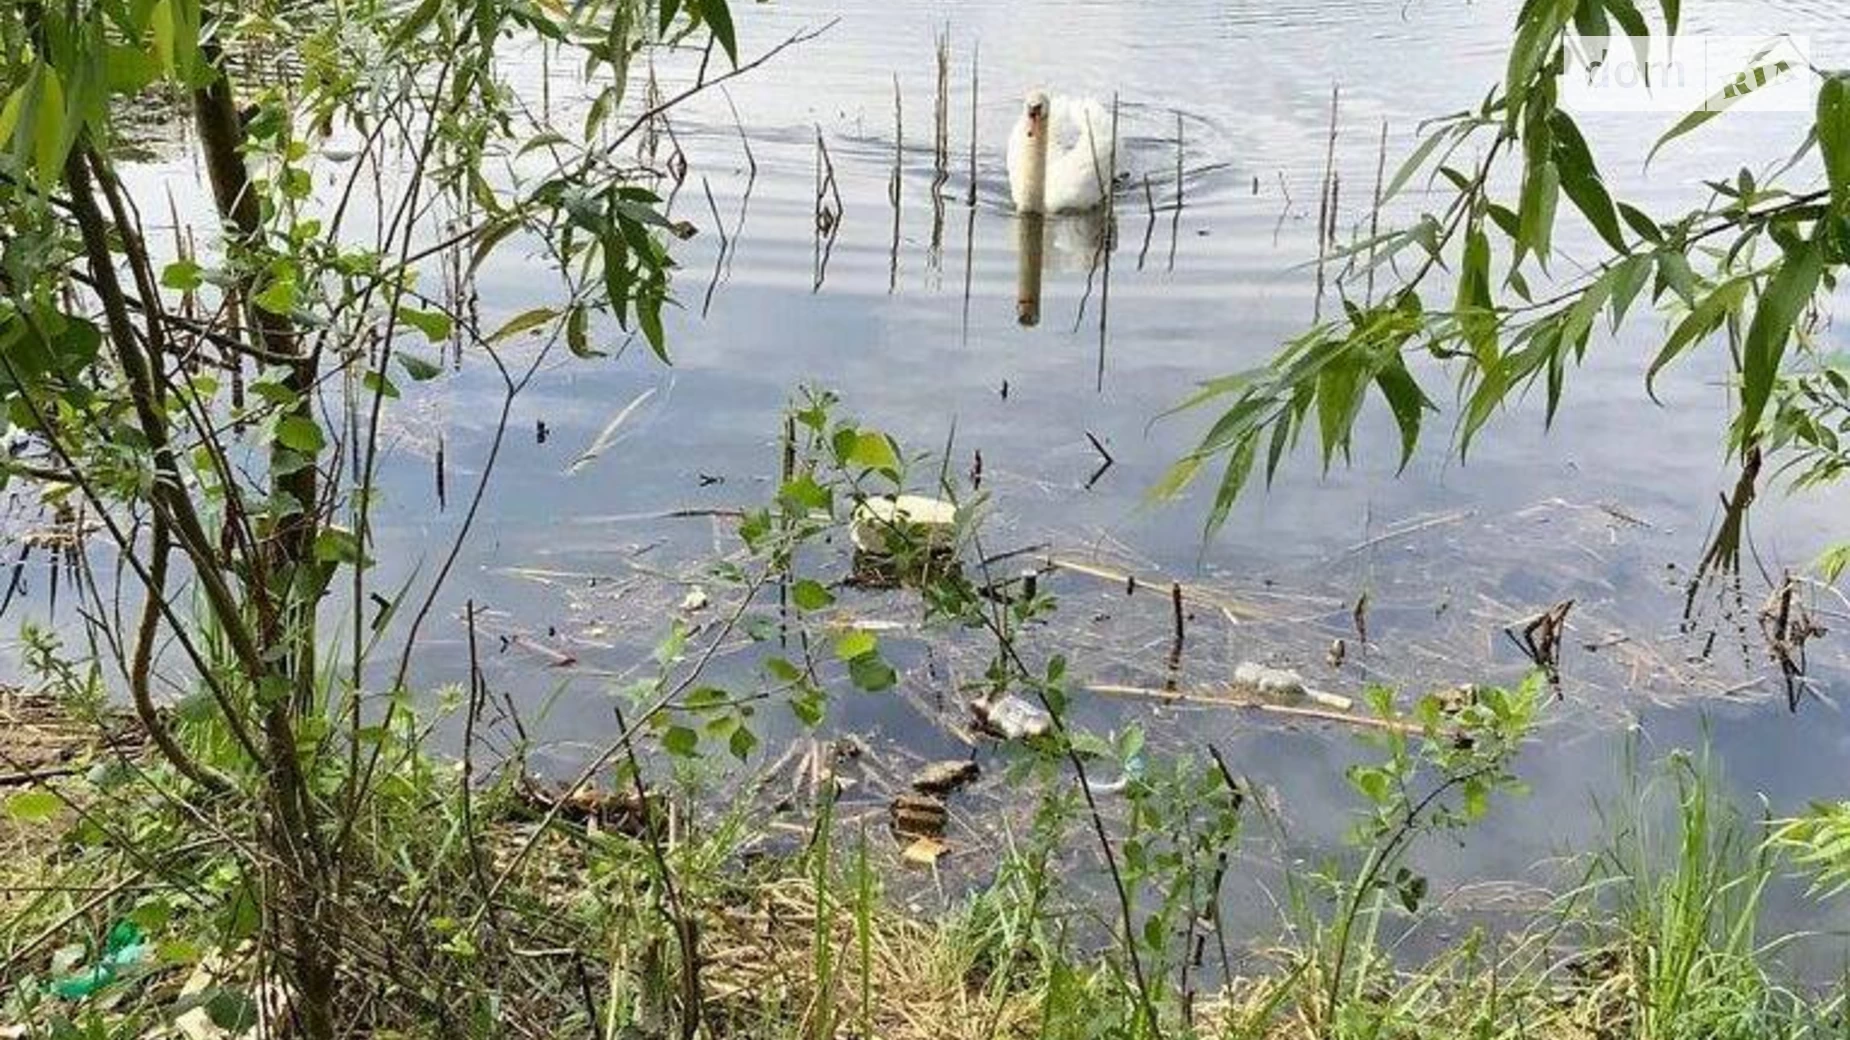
<point>622,812</point>
<point>1457,698</point>
<point>1540,639</point>
<point>918,816</point>
<point>1284,686</point>
<point>1012,717</point>
<point>925,852</point>
<point>696,599</point>
<point>943,777</point>
<point>885,525</point>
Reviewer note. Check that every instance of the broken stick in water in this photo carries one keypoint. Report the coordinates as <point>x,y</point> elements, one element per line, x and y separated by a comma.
<point>1213,700</point>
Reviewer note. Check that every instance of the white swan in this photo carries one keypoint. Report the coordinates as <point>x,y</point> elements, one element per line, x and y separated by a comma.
<point>1060,155</point>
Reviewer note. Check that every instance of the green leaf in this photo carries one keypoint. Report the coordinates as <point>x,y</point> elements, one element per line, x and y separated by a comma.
<point>1784,299</point>
<point>873,450</point>
<point>278,297</point>
<point>151,916</point>
<point>742,742</point>
<point>808,706</point>
<point>1372,782</point>
<point>53,131</point>
<point>414,23</point>
<point>1674,271</point>
<point>377,383</point>
<point>808,594</point>
<point>274,393</point>
<point>854,643</point>
<point>1476,799</point>
<point>231,1011</point>
<point>1416,159</point>
<point>1541,190</point>
<point>523,322</point>
<point>299,433</point>
<point>435,325</point>
<point>669,649</point>
<point>872,674</point>
<point>13,112</point>
<point>577,321</point>
<point>1493,384</point>
<point>161,23</point>
<point>1339,395</point>
<point>1641,223</point>
<point>1628,280</point>
<point>1833,129</point>
<point>419,368</point>
<point>1590,19</point>
<point>1476,317</point>
<point>33,806</point>
<point>1631,23</point>
<point>492,236</point>
<point>1536,35</point>
<point>1407,401</point>
<point>719,19</point>
<point>333,545</point>
<point>801,494</point>
<point>1580,179</point>
<point>183,275</point>
<point>1835,560</point>
<point>1232,481</point>
<point>1178,476</point>
<point>681,741</point>
<point>649,317</point>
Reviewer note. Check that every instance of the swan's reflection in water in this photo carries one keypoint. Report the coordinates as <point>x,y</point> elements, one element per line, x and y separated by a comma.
<point>1068,242</point>
<point>1029,231</point>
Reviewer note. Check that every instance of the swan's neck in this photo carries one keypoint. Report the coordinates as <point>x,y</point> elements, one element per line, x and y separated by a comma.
<point>1035,177</point>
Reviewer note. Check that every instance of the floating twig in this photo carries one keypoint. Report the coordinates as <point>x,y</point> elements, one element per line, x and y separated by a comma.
<point>719,259</point>
<point>1541,640</point>
<point>608,436</point>
<point>1326,216</point>
<point>1232,610</point>
<point>976,52</point>
<point>829,210</point>
<point>1149,227</point>
<point>1175,217</point>
<point>1108,245</point>
<point>1105,460</point>
<point>893,186</point>
<point>745,141</point>
<point>1414,527</point>
<point>1212,700</point>
<point>1374,212</point>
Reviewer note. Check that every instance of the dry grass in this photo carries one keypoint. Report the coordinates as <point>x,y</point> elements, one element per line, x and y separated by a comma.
<point>762,954</point>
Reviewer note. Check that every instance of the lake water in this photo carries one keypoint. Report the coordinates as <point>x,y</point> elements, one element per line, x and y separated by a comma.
<point>913,322</point>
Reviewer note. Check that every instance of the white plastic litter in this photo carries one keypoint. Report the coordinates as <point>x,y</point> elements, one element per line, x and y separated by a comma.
<point>1284,686</point>
<point>1014,718</point>
<point>929,522</point>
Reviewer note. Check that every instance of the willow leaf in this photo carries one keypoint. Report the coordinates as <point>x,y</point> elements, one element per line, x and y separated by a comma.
<point>1784,299</point>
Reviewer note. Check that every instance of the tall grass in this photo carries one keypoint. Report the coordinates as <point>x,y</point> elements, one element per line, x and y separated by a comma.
<point>1689,873</point>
